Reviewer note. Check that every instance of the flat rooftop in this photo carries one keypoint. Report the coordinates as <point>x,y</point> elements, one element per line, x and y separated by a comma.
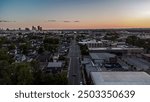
<point>147,55</point>
<point>54,64</point>
<point>115,48</point>
<point>101,56</point>
<point>120,78</point>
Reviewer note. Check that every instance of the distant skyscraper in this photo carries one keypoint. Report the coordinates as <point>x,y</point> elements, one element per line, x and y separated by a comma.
<point>27,29</point>
<point>33,28</point>
<point>39,28</point>
<point>7,29</point>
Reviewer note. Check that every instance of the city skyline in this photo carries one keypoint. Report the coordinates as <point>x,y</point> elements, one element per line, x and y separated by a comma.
<point>75,14</point>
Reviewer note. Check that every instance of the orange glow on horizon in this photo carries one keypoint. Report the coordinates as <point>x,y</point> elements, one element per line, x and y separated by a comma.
<point>122,23</point>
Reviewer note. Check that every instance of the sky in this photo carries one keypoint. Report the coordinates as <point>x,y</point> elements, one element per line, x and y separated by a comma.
<point>75,14</point>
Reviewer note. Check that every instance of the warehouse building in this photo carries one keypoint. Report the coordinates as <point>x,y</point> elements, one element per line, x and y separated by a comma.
<point>120,78</point>
<point>117,50</point>
<point>103,57</point>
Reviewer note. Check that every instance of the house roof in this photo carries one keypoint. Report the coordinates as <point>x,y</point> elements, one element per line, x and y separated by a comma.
<point>54,64</point>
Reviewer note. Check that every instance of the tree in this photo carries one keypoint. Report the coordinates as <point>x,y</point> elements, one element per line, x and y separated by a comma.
<point>62,58</point>
<point>5,56</point>
<point>61,79</point>
<point>132,40</point>
<point>24,73</point>
<point>5,61</point>
<point>50,47</point>
<point>135,41</point>
<point>4,76</point>
<point>84,50</point>
<point>51,40</point>
<point>21,74</point>
<point>51,44</point>
<point>12,47</point>
<point>37,72</point>
<point>47,79</point>
<point>111,36</point>
<point>24,48</point>
<point>16,74</point>
<point>40,50</point>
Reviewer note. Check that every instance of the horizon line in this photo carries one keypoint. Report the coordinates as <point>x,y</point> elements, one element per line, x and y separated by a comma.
<point>80,28</point>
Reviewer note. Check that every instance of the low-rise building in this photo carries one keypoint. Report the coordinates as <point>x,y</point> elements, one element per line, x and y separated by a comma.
<point>118,50</point>
<point>103,57</point>
<point>120,78</point>
<point>92,43</point>
<point>137,63</point>
<point>54,67</point>
<point>146,57</point>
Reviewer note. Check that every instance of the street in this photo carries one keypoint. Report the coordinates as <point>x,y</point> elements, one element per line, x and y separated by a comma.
<point>74,72</point>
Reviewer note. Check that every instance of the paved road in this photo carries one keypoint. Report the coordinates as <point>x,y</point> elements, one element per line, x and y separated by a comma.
<point>74,75</point>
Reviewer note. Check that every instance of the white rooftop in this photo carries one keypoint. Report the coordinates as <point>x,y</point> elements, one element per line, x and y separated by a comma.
<point>101,56</point>
<point>90,41</point>
<point>54,64</point>
<point>120,78</point>
<point>115,48</point>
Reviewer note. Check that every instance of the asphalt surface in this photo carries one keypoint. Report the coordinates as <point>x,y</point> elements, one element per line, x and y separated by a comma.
<point>74,72</point>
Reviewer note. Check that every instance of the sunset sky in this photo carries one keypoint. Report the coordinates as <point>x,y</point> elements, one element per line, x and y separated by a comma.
<point>75,14</point>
